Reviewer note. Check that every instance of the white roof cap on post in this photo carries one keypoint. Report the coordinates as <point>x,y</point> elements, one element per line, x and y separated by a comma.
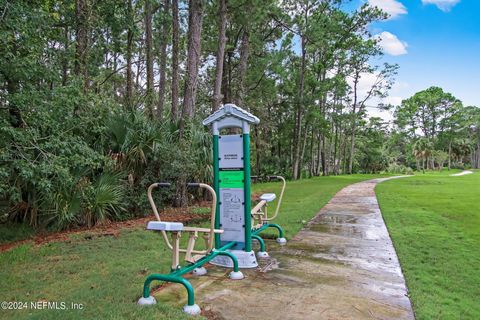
<point>228,116</point>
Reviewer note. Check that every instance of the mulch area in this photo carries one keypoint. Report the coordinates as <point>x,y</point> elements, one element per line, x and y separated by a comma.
<point>110,228</point>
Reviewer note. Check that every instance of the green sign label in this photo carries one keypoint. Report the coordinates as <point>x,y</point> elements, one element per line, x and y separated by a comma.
<point>231,179</point>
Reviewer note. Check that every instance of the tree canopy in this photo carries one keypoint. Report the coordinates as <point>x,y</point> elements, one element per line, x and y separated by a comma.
<point>98,99</point>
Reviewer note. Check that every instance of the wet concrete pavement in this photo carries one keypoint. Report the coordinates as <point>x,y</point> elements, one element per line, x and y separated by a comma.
<point>342,265</point>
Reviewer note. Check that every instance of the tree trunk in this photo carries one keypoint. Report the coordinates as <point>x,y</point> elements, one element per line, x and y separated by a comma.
<point>352,150</point>
<point>319,155</point>
<point>477,152</point>
<point>335,150</point>
<point>354,123</point>
<point>65,58</point>
<point>304,143</point>
<point>129,93</point>
<point>344,156</point>
<point>477,162</point>
<point>193,57</point>
<point>449,155</point>
<point>175,52</point>
<point>16,119</point>
<point>149,58</point>
<point>227,77</point>
<point>299,113</point>
<point>222,40</point>
<point>324,157</point>
<point>139,68</point>
<point>81,36</point>
<point>312,154</point>
<point>162,63</point>
<point>242,67</point>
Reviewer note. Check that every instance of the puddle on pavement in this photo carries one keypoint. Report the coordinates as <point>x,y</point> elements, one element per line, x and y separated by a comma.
<point>338,218</point>
<point>342,230</point>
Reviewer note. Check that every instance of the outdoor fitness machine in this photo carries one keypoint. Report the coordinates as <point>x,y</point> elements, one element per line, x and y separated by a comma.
<point>231,181</point>
<point>233,224</point>
<point>261,220</point>
<point>194,257</point>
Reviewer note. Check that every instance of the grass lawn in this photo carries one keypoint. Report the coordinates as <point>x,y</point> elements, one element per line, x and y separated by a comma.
<point>106,274</point>
<point>434,222</point>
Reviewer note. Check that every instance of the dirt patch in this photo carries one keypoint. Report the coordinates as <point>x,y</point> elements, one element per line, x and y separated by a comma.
<point>112,229</point>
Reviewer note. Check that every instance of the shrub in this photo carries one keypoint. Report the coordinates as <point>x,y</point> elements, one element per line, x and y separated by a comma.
<point>395,168</point>
<point>82,161</point>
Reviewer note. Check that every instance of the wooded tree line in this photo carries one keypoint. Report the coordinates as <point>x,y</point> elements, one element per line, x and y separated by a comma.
<point>101,98</point>
<point>439,129</point>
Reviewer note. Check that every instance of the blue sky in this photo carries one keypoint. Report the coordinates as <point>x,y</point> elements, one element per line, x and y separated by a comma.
<point>435,42</point>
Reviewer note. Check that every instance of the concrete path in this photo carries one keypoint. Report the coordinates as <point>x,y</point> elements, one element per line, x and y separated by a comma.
<point>342,265</point>
<point>464,172</point>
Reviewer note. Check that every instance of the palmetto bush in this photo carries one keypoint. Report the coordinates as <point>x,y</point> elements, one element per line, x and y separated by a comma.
<point>80,162</point>
<point>201,153</point>
<point>104,199</point>
<point>56,171</point>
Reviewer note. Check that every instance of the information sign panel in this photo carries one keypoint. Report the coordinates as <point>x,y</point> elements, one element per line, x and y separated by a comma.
<point>230,151</point>
<point>231,179</point>
<point>232,214</point>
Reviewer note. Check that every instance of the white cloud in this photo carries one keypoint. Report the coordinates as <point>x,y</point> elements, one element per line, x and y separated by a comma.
<point>395,97</point>
<point>444,5</point>
<point>393,7</point>
<point>400,86</point>
<point>365,83</point>
<point>387,116</point>
<point>367,80</point>
<point>391,44</point>
<point>393,100</point>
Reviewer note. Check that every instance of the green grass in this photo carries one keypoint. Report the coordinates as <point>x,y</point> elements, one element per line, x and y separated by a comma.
<point>434,222</point>
<point>106,274</point>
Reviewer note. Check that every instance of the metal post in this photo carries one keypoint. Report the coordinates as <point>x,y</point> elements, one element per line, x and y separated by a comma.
<point>246,181</point>
<point>216,187</point>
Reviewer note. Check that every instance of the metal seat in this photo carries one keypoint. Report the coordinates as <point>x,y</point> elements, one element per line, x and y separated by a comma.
<point>268,197</point>
<point>165,226</point>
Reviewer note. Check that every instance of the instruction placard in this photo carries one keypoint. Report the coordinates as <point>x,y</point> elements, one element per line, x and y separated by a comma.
<point>230,151</point>
<point>232,214</point>
<point>231,179</point>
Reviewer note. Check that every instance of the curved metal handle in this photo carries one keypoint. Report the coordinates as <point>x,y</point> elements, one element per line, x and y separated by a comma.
<point>284,184</point>
<point>211,238</point>
<point>150,198</point>
<point>154,207</point>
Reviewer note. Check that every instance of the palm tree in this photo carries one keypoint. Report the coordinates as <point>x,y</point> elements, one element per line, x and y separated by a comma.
<point>461,148</point>
<point>422,150</point>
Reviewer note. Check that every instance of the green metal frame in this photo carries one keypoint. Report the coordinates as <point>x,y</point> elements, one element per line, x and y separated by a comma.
<point>216,187</point>
<point>176,276</point>
<point>260,240</point>
<point>255,233</point>
<point>281,233</point>
<point>249,233</point>
<point>246,190</point>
